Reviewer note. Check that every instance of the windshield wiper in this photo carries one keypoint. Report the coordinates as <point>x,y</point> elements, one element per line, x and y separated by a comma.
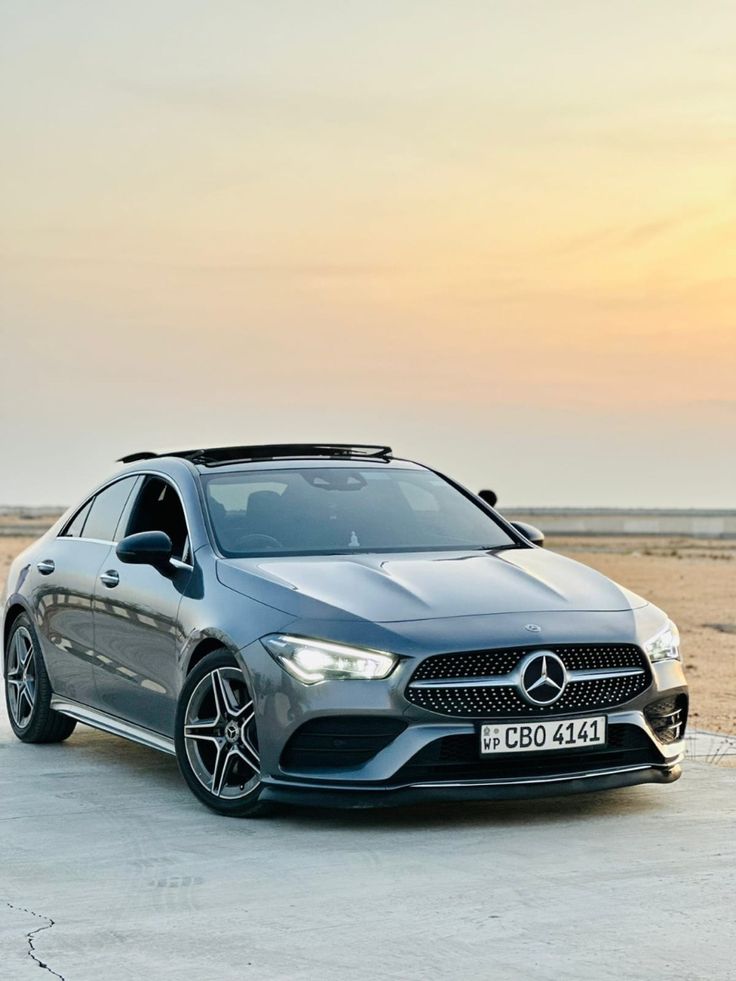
<point>496,548</point>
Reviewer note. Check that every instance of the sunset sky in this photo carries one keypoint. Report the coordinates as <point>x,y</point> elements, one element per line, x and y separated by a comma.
<point>500,236</point>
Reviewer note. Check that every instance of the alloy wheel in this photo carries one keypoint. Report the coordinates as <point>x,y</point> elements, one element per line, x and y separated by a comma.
<point>21,677</point>
<point>220,734</point>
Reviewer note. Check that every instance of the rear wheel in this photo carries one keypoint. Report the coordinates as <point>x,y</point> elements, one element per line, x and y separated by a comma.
<point>28,689</point>
<point>216,737</point>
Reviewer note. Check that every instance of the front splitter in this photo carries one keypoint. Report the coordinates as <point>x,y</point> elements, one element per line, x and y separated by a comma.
<point>356,796</point>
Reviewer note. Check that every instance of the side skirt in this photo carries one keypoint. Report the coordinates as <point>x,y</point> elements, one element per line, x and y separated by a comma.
<point>109,723</point>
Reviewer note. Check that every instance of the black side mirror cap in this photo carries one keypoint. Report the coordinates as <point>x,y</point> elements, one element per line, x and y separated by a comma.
<point>489,496</point>
<point>146,548</point>
<point>532,534</point>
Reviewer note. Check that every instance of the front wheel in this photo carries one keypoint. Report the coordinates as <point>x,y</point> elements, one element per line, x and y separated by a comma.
<point>216,737</point>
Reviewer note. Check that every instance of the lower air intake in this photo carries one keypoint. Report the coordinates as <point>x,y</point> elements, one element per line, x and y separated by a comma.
<point>668,717</point>
<point>334,742</point>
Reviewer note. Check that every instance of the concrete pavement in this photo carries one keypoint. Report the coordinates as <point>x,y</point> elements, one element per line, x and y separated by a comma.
<point>117,873</point>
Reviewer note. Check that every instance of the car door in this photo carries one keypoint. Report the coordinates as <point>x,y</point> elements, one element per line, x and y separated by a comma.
<point>135,613</point>
<point>63,583</point>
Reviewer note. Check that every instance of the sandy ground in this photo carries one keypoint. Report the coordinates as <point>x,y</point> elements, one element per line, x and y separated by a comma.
<point>694,580</point>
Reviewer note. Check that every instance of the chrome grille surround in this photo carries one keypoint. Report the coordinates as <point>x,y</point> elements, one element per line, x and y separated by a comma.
<point>485,684</point>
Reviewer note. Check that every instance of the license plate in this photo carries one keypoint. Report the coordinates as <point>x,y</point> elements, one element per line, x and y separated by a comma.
<point>530,737</point>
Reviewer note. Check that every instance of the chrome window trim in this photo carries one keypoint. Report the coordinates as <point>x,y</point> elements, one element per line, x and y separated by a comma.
<point>176,563</point>
<point>91,541</point>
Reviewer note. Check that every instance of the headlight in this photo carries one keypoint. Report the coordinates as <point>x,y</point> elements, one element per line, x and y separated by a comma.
<point>312,661</point>
<point>664,646</point>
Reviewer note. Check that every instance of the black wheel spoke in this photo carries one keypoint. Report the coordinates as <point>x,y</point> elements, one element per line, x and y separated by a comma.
<point>223,765</point>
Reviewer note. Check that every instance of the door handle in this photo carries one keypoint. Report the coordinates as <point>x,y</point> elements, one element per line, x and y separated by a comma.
<point>46,567</point>
<point>110,578</point>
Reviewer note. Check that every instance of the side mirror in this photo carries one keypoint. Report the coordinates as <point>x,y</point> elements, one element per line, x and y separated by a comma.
<point>146,548</point>
<point>534,535</point>
<point>489,496</point>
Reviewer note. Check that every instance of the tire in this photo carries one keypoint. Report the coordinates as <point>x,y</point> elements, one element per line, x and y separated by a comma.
<point>28,689</point>
<point>216,739</point>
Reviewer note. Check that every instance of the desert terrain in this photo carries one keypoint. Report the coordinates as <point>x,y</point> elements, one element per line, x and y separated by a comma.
<point>694,580</point>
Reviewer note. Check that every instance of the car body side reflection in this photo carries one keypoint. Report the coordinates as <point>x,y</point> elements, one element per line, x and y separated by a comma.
<point>136,644</point>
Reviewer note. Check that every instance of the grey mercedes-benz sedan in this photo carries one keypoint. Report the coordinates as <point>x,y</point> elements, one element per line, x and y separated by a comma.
<point>329,624</point>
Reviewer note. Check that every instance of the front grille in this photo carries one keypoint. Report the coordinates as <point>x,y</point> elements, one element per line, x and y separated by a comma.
<point>668,717</point>
<point>506,700</point>
<point>333,742</point>
<point>458,758</point>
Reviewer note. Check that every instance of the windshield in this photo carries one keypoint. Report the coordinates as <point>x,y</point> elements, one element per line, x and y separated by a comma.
<point>336,510</point>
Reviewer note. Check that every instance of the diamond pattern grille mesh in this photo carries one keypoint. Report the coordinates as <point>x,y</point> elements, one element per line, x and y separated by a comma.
<point>479,702</point>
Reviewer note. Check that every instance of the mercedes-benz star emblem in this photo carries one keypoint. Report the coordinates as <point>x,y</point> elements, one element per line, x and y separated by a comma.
<point>543,678</point>
<point>532,627</point>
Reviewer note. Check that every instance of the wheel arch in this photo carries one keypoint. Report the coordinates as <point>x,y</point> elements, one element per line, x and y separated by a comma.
<point>12,613</point>
<point>201,649</point>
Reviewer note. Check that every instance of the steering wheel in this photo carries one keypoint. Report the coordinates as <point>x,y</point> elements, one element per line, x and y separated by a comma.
<point>256,541</point>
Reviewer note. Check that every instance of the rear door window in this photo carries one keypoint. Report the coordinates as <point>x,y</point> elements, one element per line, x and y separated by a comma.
<point>76,525</point>
<point>107,507</point>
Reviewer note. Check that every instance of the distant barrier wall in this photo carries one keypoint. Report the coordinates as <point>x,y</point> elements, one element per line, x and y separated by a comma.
<point>590,521</point>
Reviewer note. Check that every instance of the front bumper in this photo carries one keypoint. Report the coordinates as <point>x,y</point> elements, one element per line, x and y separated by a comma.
<point>394,775</point>
<point>391,776</point>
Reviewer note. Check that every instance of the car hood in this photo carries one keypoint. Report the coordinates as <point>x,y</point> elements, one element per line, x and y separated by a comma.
<point>421,586</point>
